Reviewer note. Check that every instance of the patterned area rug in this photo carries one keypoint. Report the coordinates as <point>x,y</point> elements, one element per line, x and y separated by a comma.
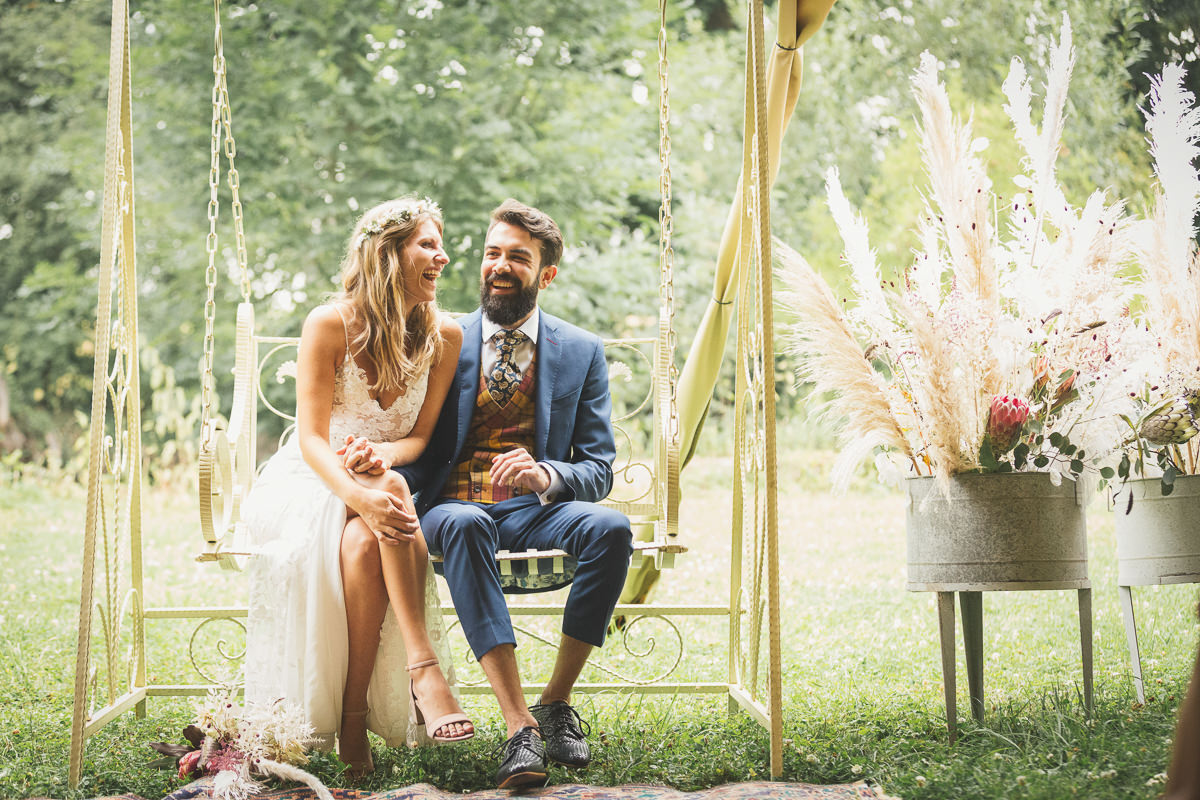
<point>423,791</point>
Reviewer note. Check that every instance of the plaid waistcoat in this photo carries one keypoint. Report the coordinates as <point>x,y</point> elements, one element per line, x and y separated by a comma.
<point>494,430</point>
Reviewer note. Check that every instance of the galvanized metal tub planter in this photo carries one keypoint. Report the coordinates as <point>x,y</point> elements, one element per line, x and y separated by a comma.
<point>1158,542</point>
<point>995,532</point>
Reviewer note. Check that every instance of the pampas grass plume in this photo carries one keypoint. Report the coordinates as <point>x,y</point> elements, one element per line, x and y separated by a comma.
<point>835,363</point>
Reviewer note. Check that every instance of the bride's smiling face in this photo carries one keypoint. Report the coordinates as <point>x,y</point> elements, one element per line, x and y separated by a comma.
<point>424,260</point>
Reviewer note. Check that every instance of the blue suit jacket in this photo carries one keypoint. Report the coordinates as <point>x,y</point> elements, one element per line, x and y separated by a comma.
<point>573,428</point>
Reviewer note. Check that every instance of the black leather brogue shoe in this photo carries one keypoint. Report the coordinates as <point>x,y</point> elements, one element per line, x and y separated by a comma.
<point>524,761</point>
<point>563,730</point>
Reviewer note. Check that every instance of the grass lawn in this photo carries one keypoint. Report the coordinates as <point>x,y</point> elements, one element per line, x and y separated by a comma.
<point>862,679</point>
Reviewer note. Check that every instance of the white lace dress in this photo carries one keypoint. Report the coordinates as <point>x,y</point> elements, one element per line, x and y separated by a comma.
<point>296,638</point>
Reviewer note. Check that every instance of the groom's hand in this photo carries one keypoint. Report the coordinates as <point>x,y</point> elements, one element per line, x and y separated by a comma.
<point>517,468</point>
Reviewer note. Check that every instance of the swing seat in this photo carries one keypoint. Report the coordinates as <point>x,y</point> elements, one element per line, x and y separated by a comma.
<point>528,572</point>
<point>646,485</point>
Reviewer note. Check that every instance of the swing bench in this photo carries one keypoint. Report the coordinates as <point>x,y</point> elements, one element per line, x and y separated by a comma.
<point>742,664</point>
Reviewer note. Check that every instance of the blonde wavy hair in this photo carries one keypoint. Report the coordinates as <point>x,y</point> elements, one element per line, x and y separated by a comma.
<point>401,342</point>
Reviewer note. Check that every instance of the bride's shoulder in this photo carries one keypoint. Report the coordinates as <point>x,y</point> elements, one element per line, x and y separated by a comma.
<point>328,314</point>
<point>325,323</point>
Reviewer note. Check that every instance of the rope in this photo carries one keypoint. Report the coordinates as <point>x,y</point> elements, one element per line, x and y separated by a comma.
<point>742,671</point>
<point>666,220</point>
<point>767,354</point>
<point>116,133</point>
<point>667,430</point>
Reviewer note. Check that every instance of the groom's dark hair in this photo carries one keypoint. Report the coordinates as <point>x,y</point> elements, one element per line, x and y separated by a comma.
<point>537,224</point>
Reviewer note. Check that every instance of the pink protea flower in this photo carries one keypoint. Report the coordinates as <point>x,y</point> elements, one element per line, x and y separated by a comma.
<point>1006,417</point>
<point>188,764</point>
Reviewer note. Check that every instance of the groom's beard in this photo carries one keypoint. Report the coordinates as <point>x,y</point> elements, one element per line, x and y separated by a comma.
<point>507,310</point>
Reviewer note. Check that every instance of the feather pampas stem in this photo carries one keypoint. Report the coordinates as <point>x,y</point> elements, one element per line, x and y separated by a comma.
<point>962,194</point>
<point>835,363</point>
<point>1170,272</point>
<point>291,773</point>
<point>939,395</point>
<point>1041,149</point>
<point>872,306</point>
<point>960,187</point>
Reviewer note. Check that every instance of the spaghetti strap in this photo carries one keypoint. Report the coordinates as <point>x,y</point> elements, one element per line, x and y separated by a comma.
<point>345,328</point>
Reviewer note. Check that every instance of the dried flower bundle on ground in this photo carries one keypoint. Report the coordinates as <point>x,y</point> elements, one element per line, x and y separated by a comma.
<point>237,744</point>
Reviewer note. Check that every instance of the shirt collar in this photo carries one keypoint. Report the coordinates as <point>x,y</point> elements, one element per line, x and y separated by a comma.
<point>530,328</point>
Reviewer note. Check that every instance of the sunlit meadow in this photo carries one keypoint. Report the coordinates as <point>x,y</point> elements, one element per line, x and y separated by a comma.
<point>862,681</point>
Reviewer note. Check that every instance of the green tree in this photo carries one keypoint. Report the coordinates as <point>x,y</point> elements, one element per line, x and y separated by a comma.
<point>340,104</point>
<point>1151,33</point>
<point>51,105</point>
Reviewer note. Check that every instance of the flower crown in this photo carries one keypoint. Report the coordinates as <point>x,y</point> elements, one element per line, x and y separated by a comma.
<point>396,216</point>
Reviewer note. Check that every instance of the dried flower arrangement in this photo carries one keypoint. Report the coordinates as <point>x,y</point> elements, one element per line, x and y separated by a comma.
<point>994,354</point>
<point>235,743</point>
<point>1163,414</point>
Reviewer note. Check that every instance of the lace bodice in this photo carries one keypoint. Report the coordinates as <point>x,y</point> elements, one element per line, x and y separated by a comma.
<point>355,413</point>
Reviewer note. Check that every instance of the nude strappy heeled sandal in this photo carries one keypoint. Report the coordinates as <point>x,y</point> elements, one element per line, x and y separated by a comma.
<point>357,768</point>
<point>442,721</point>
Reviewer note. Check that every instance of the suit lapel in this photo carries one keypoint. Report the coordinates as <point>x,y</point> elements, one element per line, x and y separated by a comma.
<point>549,357</point>
<point>468,376</point>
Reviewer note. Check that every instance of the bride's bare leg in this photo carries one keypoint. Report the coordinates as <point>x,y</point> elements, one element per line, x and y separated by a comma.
<point>404,567</point>
<point>366,605</point>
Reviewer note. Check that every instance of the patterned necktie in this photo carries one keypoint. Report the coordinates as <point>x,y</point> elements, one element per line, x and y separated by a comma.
<point>505,377</point>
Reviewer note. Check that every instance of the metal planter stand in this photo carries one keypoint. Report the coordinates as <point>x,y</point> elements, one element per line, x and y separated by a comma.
<point>1158,542</point>
<point>985,533</point>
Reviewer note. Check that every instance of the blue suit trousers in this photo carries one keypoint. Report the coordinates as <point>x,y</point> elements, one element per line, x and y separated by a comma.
<point>467,535</point>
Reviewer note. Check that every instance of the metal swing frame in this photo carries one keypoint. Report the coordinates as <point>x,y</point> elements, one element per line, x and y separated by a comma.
<point>109,682</point>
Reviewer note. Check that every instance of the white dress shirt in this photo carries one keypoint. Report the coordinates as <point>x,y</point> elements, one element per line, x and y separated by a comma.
<point>522,358</point>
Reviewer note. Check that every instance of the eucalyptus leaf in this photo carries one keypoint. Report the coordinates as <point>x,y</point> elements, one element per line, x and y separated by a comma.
<point>987,456</point>
<point>1020,455</point>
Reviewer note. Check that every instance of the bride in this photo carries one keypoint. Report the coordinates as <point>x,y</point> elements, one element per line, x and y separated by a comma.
<point>338,595</point>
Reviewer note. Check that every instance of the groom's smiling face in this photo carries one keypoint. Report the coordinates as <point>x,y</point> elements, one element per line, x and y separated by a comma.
<point>511,275</point>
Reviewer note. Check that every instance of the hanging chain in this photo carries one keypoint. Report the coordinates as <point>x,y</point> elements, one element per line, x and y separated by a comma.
<point>666,222</point>
<point>234,180</point>
<point>210,274</point>
<point>222,122</point>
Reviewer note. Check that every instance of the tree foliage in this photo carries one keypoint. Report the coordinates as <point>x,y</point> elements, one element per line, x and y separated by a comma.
<point>340,104</point>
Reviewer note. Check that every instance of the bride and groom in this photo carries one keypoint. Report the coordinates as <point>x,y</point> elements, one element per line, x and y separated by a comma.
<point>416,433</point>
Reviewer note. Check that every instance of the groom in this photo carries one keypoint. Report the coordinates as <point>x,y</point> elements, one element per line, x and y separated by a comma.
<point>520,456</point>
